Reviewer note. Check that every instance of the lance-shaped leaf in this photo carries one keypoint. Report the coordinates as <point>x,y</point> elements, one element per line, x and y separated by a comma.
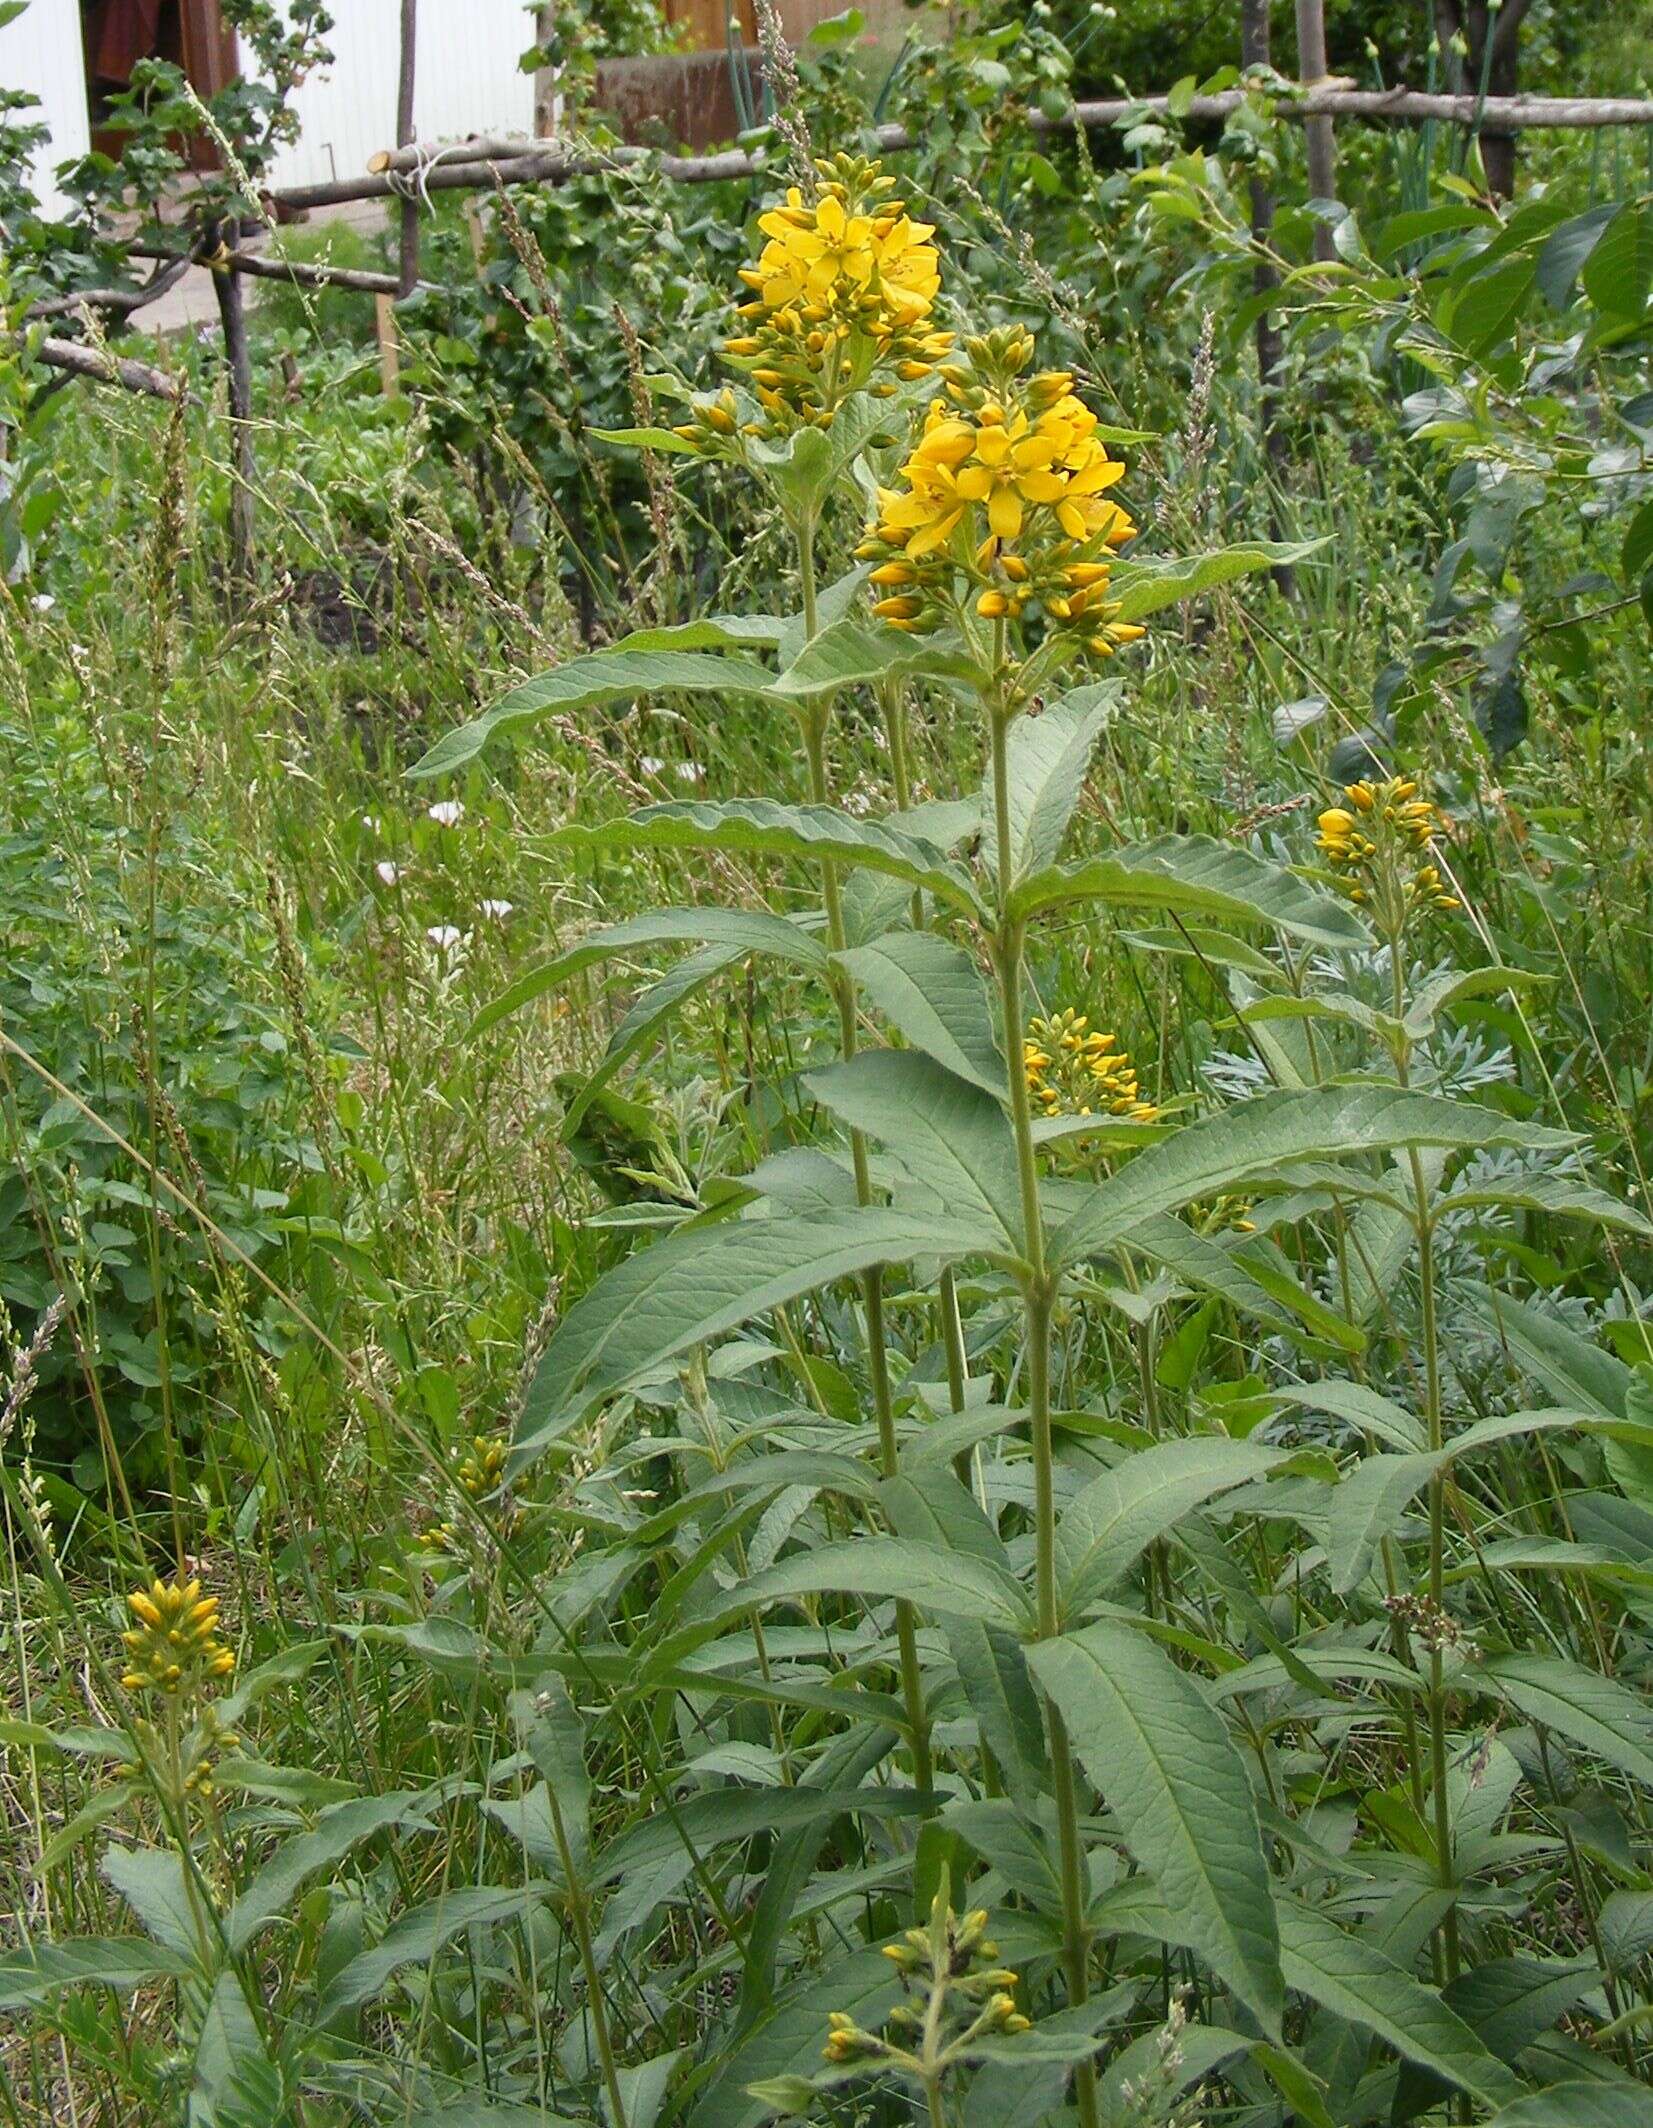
<point>1590,1711</point>
<point>647,1014</point>
<point>30,1978</point>
<point>1047,759</point>
<point>1111,1522</point>
<point>853,651</point>
<point>761,827</point>
<point>1358,1982</point>
<point>947,1134</point>
<point>950,1583</point>
<point>742,931</point>
<point>1248,1142</point>
<point>1144,587</point>
<point>933,993</point>
<point>1366,1507</point>
<point>1577,2105</point>
<point>605,676</point>
<point>1195,875</point>
<point>1152,1742</point>
<point>703,1280</point>
<point>328,1841</point>
<point>416,1938</point>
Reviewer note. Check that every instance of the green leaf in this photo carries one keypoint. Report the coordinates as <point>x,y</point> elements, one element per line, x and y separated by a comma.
<point>741,931</point>
<point>1153,1744</point>
<point>1144,587</point>
<point>853,651</point>
<point>1589,1710</point>
<point>589,683</point>
<point>803,468</point>
<point>992,1668</point>
<point>1364,1509</point>
<point>551,1733</point>
<point>952,1584</point>
<point>1009,1840</point>
<point>788,2043</point>
<point>1107,1527</point>
<point>274,1886</point>
<point>947,1134</point>
<point>30,1978</point>
<point>646,1015</point>
<point>151,1881</point>
<point>933,994</point>
<point>235,2084</point>
<point>701,1281</point>
<point>1565,250</point>
<point>1048,758</point>
<point>417,1937</point>
<point>1619,270</point>
<point>714,631</point>
<point>811,834</point>
<point>1356,1981</point>
<point>1578,2105</point>
<point>1194,875</point>
<point>648,439</point>
<point>1252,1140</point>
<point>1570,1367</point>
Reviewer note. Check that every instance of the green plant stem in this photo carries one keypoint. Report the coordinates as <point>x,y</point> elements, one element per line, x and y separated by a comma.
<point>1039,1297</point>
<point>579,1912</point>
<point>872,1281</point>
<point>1445,1868</point>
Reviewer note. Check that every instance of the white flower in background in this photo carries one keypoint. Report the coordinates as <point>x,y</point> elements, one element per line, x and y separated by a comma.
<point>447,812</point>
<point>43,602</point>
<point>446,938</point>
<point>497,911</point>
<point>373,824</point>
<point>388,873</point>
<point>651,764</point>
<point>690,772</point>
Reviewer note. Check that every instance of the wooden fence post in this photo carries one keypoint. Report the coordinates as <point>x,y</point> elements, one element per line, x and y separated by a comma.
<point>238,367</point>
<point>404,134</point>
<point>1254,52</point>
<point>1322,143</point>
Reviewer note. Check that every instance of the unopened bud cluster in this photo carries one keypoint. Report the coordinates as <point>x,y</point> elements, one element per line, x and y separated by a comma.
<point>174,1647</point>
<point>1376,838</point>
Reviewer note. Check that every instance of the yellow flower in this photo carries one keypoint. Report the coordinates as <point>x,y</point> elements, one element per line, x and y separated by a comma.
<point>1376,835</point>
<point>174,1647</point>
<point>1003,503</point>
<point>841,298</point>
<point>1073,1069</point>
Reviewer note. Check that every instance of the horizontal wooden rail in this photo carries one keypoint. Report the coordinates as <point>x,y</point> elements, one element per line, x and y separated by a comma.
<point>482,163</point>
<point>102,367</point>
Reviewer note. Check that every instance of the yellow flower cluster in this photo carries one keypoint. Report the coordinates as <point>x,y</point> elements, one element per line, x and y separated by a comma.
<point>174,1647</point>
<point>842,297</point>
<point>966,1967</point>
<point>1003,503</point>
<point>482,1470</point>
<point>1074,1070</point>
<point>1383,829</point>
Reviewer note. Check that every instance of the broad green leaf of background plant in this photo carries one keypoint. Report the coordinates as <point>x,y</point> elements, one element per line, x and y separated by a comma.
<point>1195,876</point>
<point>1256,1138</point>
<point>742,931</point>
<point>933,994</point>
<point>762,827</point>
<point>703,1280</point>
<point>1589,1710</point>
<point>1152,1742</point>
<point>947,1134</point>
<point>1576,2106</point>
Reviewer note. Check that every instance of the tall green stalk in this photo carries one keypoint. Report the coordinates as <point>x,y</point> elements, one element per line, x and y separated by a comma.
<point>872,1281</point>
<point>1038,1301</point>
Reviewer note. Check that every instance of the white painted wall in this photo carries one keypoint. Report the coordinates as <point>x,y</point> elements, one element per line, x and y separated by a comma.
<point>40,52</point>
<point>466,81</point>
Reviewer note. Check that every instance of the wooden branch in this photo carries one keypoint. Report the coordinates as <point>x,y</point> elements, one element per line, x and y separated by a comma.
<point>105,368</point>
<point>263,267</point>
<point>471,166</point>
<point>117,302</point>
<point>409,251</point>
